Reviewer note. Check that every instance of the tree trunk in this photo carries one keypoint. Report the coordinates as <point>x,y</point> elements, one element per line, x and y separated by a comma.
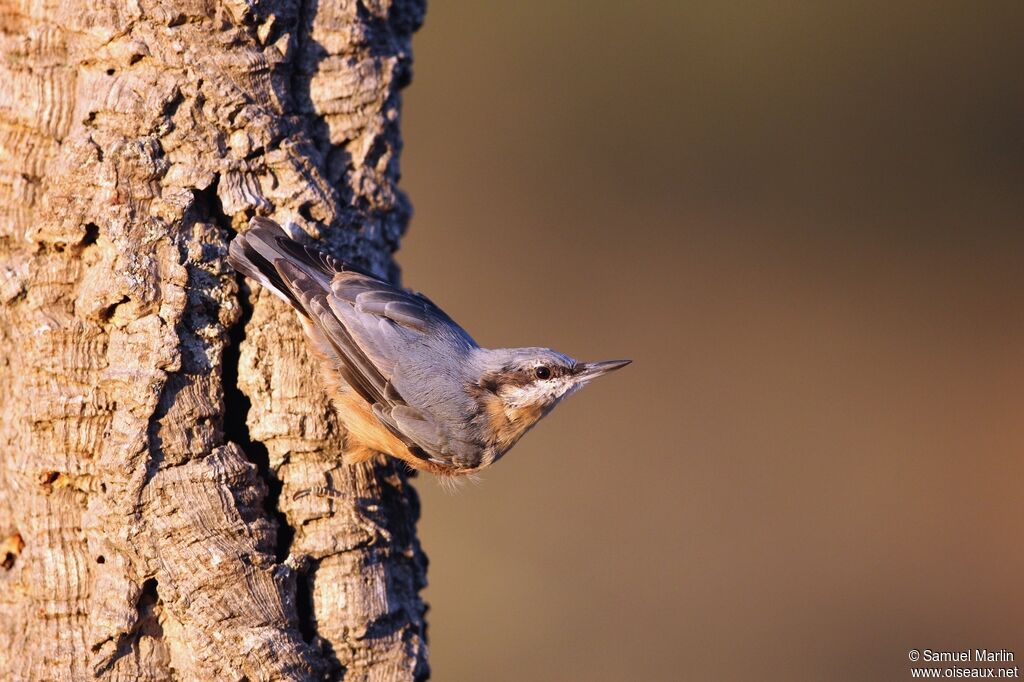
<point>157,416</point>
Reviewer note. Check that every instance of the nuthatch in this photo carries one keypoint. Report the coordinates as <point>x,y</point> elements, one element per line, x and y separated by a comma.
<point>407,380</point>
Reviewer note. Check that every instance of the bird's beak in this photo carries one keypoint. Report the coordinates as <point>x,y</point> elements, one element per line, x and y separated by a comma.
<point>588,371</point>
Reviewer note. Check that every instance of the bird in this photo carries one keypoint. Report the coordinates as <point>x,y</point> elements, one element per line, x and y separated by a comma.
<point>407,381</point>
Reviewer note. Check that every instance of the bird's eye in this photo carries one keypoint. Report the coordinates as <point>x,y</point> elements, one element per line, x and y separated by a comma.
<point>542,372</point>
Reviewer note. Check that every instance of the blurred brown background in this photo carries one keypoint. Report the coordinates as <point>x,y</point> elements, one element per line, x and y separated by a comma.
<point>803,221</point>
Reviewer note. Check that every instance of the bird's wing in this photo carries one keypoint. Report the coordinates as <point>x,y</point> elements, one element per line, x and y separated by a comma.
<point>387,322</point>
<point>413,311</point>
<point>429,434</point>
<point>391,327</point>
<point>366,326</point>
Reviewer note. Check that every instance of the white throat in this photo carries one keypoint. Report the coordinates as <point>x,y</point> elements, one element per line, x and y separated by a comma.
<point>547,393</point>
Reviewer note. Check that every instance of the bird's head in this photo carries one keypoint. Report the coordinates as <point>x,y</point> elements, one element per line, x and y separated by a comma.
<point>529,382</point>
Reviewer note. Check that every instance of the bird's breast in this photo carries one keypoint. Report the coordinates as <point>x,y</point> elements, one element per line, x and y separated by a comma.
<point>366,430</point>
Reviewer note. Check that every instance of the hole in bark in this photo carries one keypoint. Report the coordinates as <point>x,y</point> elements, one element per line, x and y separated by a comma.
<point>50,480</point>
<point>92,233</point>
<point>10,548</point>
<point>209,205</point>
<point>304,606</point>
<point>171,107</point>
<point>101,559</point>
<point>134,59</point>
<point>108,312</point>
<point>149,595</point>
<point>110,72</point>
<point>146,625</point>
<point>149,611</point>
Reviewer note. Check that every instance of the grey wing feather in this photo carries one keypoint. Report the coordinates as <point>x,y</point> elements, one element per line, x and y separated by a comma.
<point>407,313</point>
<point>421,427</point>
<point>412,310</point>
<point>414,422</point>
<point>360,373</point>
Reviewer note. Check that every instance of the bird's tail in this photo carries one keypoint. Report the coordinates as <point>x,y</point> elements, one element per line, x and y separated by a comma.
<point>259,252</point>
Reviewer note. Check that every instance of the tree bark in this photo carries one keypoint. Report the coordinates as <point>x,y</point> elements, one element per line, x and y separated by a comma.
<point>157,416</point>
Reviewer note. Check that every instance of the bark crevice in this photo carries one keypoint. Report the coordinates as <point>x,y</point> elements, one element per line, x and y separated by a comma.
<point>146,624</point>
<point>236,428</point>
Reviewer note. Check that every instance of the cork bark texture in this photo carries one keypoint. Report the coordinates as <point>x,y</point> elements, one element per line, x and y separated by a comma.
<point>158,416</point>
